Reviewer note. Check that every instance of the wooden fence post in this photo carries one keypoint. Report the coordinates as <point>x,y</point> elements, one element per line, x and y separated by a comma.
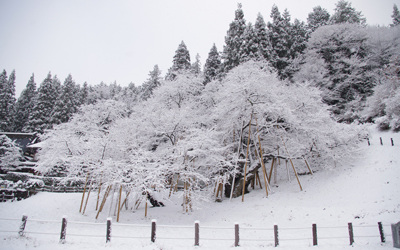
<point>236,234</point>
<point>108,233</point>
<point>276,235</point>
<point>381,233</point>
<point>369,144</point>
<point>22,226</point>
<point>351,235</point>
<point>314,234</point>
<point>391,139</point>
<point>196,233</point>
<point>153,230</point>
<point>63,229</point>
<point>380,138</point>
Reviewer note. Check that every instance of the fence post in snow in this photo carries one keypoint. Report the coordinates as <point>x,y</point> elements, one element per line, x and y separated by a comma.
<point>196,233</point>
<point>314,234</point>
<point>351,235</point>
<point>381,140</point>
<point>391,139</point>
<point>108,233</point>
<point>369,144</point>
<point>236,234</point>
<point>22,226</point>
<point>381,232</point>
<point>63,230</point>
<point>153,230</point>
<point>276,236</point>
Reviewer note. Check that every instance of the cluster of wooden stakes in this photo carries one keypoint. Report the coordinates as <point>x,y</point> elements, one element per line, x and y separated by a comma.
<point>219,186</point>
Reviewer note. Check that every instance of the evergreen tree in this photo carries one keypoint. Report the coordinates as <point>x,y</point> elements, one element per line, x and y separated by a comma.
<point>152,83</point>
<point>395,16</point>
<point>249,49</point>
<point>39,119</point>
<point>234,40</point>
<point>260,29</point>
<point>25,105</point>
<point>180,63</point>
<point>319,17</point>
<point>7,101</point>
<point>196,66</point>
<point>67,102</point>
<point>212,67</point>
<point>279,31</point>
<point>344,13</point>
<point>84,93</point>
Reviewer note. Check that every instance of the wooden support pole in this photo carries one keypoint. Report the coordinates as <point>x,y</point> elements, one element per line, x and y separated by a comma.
<point>314,234</point>
<point>351,234</point>
<point>84,190</point>
<point>98,195</point>
<point>236,234</point>
<point>270,172</point>
<point>196,233</point>
<point>87,198</point>
<point>119,202</point>
<point>291,162</point>
<point>260,154</point>
<point>104,200</point>
<point>381,233</point>
<point>108,232</point>
<point>63,230</point>
<point>247,155</point>
<point>145,209</point>
<point>308,166</point>
<point>126,198</point>
<point>238,151</point>
<point>276,235</point>
<point>22,226</point>
<point>153,230</point>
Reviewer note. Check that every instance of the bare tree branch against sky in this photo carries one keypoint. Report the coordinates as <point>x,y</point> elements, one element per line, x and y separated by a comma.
<point>99,40</point>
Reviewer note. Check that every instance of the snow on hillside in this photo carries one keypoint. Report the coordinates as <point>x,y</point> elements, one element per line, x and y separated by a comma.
<point>363,192</point>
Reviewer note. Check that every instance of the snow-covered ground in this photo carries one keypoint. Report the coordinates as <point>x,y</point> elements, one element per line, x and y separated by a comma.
<point>364,192</point>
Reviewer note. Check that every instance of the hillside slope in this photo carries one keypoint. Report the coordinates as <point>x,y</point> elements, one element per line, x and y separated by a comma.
<point>364,192</point>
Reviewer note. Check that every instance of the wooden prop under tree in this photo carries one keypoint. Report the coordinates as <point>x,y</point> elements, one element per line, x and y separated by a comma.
<point>247,155</point>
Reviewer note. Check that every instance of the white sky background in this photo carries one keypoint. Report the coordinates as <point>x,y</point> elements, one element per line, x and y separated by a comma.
<point>104,40</point>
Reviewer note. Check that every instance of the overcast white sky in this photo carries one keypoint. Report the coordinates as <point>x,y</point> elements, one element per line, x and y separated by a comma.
<point>104,40</point>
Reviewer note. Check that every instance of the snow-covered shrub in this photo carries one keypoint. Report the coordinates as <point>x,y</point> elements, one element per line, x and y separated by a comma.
<point>10,154</point>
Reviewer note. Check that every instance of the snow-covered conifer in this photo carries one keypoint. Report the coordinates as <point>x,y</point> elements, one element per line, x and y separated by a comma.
<point>180,63</point>
<point>7,101</point>
<point>395,16</point>
<point>317,18</point>
<point>345,13</point>
<point>212,67</point>
<point>25,104</point>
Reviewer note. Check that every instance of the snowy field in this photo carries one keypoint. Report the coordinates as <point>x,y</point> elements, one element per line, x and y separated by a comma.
<point>364,192</point>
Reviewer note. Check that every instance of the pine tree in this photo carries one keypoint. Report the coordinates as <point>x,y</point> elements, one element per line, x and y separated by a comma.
<point>395,16</point>
<point>7,101</point>
<point>84,93</point>
<point>67,102</point>
<point>152,83</point>
<point>279,35</point>
<point>180,63</point>
<point>196,66</point>
<point>212,67</point>
<point>39,119</point>
<point>234,40</point>
<point>249,49</point>
<point>25,105</point>
<point>260,29</point>
<point>319,17</point>
<point>344,13</point>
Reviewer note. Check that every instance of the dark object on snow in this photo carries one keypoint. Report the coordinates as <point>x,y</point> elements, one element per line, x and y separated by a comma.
<point>154,202</point>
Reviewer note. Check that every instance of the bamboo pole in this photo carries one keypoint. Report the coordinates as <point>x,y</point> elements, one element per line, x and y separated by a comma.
<point>308,166</point>
<point>87,199</point>
<point>262,162</point>
<point>126,198</point>
<point>84,191</point>
<point>145,209</point>
<point>247,155</point>
<point>239,147</point>
<point>119,202</point>
<point>270,172</point>
<point>104,200</point>
<point>98,195</point>
<point>291,162</point>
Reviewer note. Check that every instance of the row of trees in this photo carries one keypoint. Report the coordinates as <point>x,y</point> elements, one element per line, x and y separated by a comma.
<point>336,53</point>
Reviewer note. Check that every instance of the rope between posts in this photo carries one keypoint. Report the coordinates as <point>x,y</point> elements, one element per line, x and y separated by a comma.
<point>130,237</point>
<point>272,240</point>
<point>30,232</point>
<point>86,223</point>
<point>171,238</point>
<point>171,226</point>
<point>10,219</point>
<point>132,225</point>
<point>257,228</point>
<point>221,228</point>
<point>45,221</point>
<point>86,235</point>
<point>1,231</point>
